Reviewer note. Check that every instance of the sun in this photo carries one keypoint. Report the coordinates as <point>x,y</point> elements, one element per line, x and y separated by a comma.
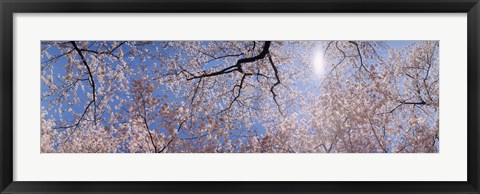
<point>318,63</point>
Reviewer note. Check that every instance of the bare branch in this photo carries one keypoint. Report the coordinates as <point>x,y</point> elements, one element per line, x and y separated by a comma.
<point>360,55</point>
<point>92,82</point>
<point>238,65</point>
<point>171,140</point>
<point>275,84</point>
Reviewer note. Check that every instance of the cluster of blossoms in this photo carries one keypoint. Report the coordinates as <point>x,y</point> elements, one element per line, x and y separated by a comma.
<point>239,96</point>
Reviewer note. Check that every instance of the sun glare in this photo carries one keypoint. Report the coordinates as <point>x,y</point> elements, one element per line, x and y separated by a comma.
<point>318,67</point>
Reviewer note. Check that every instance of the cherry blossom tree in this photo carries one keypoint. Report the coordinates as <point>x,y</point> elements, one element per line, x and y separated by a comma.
<point>239,96</point>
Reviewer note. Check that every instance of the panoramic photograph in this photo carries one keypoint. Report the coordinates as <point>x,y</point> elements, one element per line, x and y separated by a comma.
<point>252,96</point>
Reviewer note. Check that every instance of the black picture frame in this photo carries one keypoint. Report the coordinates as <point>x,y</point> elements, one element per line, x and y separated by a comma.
<point>9,7</point>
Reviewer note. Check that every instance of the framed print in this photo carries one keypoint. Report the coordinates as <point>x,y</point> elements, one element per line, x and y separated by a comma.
<point>239,96</point>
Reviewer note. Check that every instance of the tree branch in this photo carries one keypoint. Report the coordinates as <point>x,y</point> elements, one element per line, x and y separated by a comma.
<point>92,82</point>
<point>360,55</point>
<point>275,84</point>
<point>146,123</point>
<point>171,140</point>
<point>110,52</point>
<point>76,124</point>
<point>377,138</point>
<point>238,65</point>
